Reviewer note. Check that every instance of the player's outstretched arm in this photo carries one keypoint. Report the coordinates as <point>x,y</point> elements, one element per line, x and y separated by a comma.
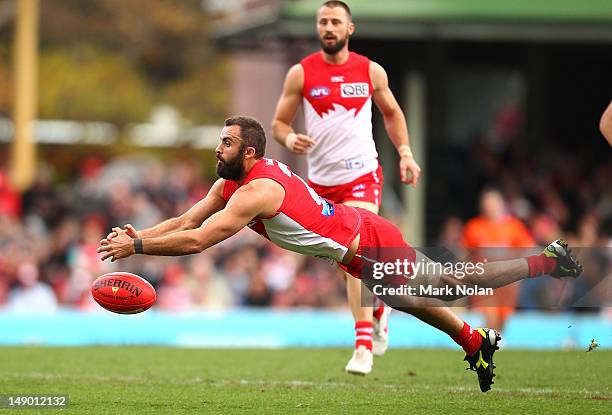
<point>395,123</point>
<point>198,213</point>
<point>286,108</point>
<point>262,197</point>
<point>605,124</point>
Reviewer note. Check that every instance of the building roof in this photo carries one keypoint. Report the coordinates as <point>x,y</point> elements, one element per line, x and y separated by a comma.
<point>528,20</point>
<point>465,10</point>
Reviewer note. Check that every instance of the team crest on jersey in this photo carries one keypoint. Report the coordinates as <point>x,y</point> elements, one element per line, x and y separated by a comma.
<point>355,90</point>
<point>319,92</point>
<point>328,208</point>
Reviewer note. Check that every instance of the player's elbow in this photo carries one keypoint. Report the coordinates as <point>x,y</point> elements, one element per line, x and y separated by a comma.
<point>197,244</point>
<point>393,115</point>
<point>209,236</point>
<point>187,223</point>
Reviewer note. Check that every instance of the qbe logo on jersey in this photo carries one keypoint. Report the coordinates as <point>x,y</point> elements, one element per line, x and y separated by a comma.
<point>355,90</point>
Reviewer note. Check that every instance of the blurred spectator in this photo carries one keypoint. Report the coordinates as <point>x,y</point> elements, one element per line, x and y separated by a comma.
<point>173,294</point>
<point>31,295</point>
<point>4,291</point>
<point>495,228</point>
<point>588,293</point>
<point>10,201</point>
<point>451,237</point>
<point>209,289</point>
<point>258,294</point>
<point>144,213</point>
<point>280,268</point>
<point>544,229</point>
<point>236,274</point>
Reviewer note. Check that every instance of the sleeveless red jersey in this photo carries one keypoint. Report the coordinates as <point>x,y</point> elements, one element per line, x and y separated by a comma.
<point>305,223</point>
<point>337,102</point>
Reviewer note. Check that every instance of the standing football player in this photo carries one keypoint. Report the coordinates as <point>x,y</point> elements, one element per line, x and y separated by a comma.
<point>336,88</point>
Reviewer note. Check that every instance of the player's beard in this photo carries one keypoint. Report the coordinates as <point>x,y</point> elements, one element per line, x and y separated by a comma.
<point>231,169</point>
<point>334,48</point>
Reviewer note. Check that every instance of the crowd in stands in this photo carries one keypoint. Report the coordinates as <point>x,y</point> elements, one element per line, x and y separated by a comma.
<point>49,236</point>
<point>531,195</point>
<point>50,233</point>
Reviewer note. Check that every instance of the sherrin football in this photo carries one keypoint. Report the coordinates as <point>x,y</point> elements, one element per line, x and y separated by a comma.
<point>123,293</point>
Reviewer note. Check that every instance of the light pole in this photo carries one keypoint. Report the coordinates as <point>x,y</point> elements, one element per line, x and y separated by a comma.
<point>23,149</point>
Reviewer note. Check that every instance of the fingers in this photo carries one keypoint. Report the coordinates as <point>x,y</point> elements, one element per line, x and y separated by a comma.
<point>411,180</point>
<point>131,231</point>
<point>305,140</point>
<point>408,180</point>
<point>117,248</point>
<point>415,177</point>
<point>128,228</point>
<point>406,175</point>
<point>302,144</point>
<point>104,247</point>
<point>403,175</point>
<point>106,250</point>
<point>410,172</point>
<point>299,149</point>
<point>106,256</point>
<point>117,230</point>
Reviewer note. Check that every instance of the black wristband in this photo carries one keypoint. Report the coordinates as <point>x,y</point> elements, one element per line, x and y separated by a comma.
<point>138,246</point>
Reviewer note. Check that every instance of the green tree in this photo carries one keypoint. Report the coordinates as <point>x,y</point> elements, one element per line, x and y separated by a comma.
<point>115,59</point>
<point>6,83</point>
<point>85,83</point>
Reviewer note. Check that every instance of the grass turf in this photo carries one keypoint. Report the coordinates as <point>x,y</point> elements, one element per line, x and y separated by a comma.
<point>152,380</point>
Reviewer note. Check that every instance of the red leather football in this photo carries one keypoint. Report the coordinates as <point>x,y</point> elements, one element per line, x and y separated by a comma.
<point>123,293</point>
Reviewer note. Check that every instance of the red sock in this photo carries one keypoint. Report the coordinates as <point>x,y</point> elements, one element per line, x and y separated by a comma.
<point>379,310</point>
<point>469,339</point>
<point>363,334</point>
<point>540,264</point>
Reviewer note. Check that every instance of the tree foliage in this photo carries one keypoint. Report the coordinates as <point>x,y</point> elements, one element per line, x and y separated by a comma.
<point>85,83</point>
<point>114,60</point>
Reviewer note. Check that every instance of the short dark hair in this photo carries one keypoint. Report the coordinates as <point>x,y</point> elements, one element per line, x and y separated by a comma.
<point>338,3</point>
<point>251,133</point>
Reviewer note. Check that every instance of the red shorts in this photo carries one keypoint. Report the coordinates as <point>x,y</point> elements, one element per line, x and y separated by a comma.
<point>379,241</point>
<point>366,188</point>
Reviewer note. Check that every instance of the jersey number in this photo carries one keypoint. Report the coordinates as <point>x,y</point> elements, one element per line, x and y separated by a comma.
<point>313,194</point>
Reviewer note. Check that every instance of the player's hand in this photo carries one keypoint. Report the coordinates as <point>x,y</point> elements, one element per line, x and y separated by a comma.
<point>120,246</point>
<point>409,170</point>
<point>299,143</point>
<point>128,228</point>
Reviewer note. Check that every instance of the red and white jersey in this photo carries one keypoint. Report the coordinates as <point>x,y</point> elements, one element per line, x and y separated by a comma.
<point>337,101</point>
<point>305,223</point>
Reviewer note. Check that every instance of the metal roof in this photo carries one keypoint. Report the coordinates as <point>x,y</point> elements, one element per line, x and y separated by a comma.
<point>488,20</point>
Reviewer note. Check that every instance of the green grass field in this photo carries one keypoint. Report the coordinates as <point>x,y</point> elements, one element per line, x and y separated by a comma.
<point>152,380</point>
